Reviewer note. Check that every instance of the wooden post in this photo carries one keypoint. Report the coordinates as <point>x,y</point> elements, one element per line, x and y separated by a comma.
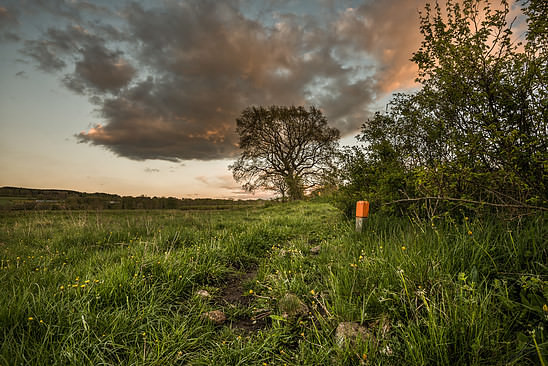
<point>362,212</point>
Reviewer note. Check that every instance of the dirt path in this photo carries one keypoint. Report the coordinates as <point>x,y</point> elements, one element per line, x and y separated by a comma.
<point>234,294</point>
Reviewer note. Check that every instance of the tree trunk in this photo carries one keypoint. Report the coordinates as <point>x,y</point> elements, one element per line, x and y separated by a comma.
<point>294,186</point>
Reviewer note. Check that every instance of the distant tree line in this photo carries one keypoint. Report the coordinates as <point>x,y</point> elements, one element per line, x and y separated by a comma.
<point>13,198</point>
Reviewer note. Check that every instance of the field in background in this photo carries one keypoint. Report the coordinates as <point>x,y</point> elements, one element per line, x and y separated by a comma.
<point>120,287</point>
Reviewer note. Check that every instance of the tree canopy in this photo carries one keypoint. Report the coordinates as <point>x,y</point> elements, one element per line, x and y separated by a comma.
<point>478,127</point>
<point>284,149</point>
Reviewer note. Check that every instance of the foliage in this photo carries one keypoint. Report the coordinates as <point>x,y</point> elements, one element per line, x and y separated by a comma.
<point>284,149</point>
<point>478,127</point>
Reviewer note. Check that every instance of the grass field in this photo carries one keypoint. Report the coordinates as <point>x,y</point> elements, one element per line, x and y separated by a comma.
<point>120,287</point>
<point>6,201</point>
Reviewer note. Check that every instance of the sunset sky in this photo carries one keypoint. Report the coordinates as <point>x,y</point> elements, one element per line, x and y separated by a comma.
<point>141,97</point>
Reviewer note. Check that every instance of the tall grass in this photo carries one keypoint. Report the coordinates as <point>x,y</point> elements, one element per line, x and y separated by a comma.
<point>120,288</point>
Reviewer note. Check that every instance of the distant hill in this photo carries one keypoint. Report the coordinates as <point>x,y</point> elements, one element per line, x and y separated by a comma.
<point>48,193</point>
<point>16,198</point>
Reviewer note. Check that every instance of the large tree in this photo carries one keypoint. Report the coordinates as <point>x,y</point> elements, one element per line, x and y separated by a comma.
<point>284,149</point>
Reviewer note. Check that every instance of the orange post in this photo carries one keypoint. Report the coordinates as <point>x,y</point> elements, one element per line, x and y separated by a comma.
<point>362,212</point>
<point>362,209</point>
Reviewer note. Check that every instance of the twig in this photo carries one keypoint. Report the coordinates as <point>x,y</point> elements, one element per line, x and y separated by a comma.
<point>323,306</point>
<point>507,205</point>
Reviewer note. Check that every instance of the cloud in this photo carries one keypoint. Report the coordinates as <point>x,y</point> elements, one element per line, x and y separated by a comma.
<point>224,181</point>
<point>170,79</point>
<point>100,69</point>
<point>71,10</point>
<point>8,23</point>
<point>228,188</point>
<point>152,170</point>
<point>214,63</point>
<point>97,68</point>
<point>387,31</point>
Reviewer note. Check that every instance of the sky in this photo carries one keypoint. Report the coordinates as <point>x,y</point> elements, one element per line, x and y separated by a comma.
<point>141,97</point>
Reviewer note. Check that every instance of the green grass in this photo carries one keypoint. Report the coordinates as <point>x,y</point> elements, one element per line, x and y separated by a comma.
<point>120,287</point>
<point>7,201</point>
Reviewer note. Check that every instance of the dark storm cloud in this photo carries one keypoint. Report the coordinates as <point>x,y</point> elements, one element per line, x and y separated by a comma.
<point>210,62</point>
<point>96,68</point>
<point>169,80</point>
<point>102,69</point>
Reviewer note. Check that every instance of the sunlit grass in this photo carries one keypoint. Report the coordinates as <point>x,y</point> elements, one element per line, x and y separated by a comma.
<point>120,287</point>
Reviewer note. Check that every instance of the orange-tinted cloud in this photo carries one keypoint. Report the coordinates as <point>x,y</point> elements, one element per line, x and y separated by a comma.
<point>387,31</point>
<point>215,63</point>
<point>170,78</point>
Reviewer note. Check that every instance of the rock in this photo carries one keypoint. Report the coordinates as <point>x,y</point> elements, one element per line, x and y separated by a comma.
<point>203,294</point>
<point>292,307</point>
<point>215,316</point>
<point>350,332</point>
<point>315,250</point>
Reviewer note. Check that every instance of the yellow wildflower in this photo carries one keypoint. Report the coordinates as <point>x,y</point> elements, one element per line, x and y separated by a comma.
<point>31,318</point>
<point>312,292</point>
<point>250,292</point>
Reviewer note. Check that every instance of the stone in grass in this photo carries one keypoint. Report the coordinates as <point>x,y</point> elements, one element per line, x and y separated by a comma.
<point>292,307</point>
<point>350,333</point>
<point>203,294</point>
<point>315,250</point>
<point>215,316</point>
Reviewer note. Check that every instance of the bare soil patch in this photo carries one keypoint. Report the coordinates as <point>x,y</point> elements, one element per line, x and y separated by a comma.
<point>234,292</point>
